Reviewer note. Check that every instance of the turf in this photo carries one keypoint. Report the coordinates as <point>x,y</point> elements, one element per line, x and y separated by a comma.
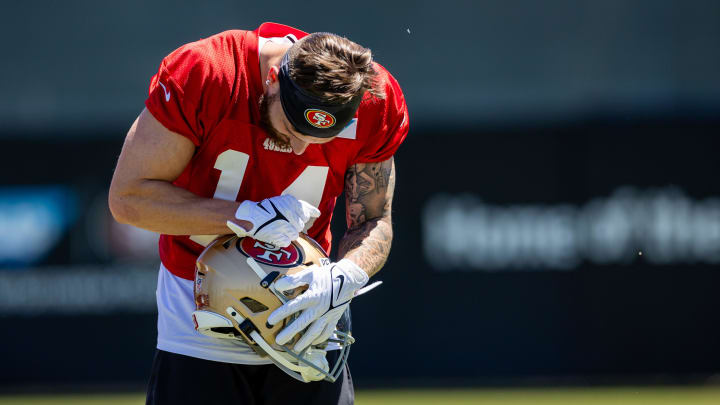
<point>554,396</point>
<point>567,396</point>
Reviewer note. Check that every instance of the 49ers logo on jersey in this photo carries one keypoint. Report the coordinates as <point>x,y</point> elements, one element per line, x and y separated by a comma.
<point>266,253</point>
<point>319,118</point>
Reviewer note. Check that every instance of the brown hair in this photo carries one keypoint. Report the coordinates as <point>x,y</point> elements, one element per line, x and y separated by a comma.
<point>334,68</point>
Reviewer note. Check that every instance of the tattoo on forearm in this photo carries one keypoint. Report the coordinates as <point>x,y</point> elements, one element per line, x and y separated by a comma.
<point>369,191</point>
<point>368,245</point>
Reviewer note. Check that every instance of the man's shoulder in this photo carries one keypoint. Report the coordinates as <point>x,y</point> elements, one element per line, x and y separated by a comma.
<point>382,122</point>
<point>199,83</point>
<point>218,60</point>
<point>213,48</point>
<point>235,35</point>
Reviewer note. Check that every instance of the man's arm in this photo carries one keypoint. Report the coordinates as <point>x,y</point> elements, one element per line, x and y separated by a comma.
<point>369,189</point>
<point>142,193</point>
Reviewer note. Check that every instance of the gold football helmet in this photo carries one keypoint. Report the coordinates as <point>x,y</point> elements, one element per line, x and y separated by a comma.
<point>235,294</point>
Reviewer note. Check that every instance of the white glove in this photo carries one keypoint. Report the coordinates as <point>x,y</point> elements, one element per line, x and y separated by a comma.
<point>317,357</point>
<point>330,289</point>
<point>277,220</point>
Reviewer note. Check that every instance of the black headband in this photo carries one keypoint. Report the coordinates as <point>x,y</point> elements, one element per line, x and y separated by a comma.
<point>309,114</point>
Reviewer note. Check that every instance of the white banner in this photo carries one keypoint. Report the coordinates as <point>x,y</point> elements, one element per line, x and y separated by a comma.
<point>660,226</point>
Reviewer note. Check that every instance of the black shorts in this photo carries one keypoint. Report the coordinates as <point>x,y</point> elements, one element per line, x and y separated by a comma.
<point>177,379</point>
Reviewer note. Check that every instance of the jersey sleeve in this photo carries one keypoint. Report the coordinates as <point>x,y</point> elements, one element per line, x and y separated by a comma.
<point>386,123</point>
<point>192,89</point>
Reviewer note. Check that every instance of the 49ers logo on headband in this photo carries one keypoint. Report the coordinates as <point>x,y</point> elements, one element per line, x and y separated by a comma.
<point>319,118</point>
<point>265,253</point>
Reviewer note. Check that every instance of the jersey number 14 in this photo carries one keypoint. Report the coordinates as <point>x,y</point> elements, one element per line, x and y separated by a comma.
<point>308,186</point>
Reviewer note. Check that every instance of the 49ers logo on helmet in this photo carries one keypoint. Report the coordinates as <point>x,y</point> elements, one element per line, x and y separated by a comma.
<point>319,118</point>
<point>289,256</point>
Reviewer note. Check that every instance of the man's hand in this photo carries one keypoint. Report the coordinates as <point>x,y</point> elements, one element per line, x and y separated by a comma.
<point>277,220</point>
<point>330,289</point>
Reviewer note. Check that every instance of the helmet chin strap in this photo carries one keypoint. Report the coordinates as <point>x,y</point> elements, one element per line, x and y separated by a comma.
<point>292,369</point>
<point>280,359</point>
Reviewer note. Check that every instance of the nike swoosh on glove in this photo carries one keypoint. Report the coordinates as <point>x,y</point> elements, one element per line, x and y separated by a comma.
<point>330,289</point>
<point>277,220</point>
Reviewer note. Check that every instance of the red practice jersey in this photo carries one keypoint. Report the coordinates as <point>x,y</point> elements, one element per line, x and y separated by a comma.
<point>208,91</point>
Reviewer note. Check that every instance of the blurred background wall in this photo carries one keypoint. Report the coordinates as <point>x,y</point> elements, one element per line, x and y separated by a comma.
<point>557,210</point>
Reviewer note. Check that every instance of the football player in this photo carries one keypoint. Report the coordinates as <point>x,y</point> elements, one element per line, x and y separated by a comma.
<point>257,133</point>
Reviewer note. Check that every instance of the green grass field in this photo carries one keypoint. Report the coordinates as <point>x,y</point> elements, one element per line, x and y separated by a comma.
<point>518,396</point>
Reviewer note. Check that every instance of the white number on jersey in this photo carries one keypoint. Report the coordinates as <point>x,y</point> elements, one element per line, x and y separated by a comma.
<point>308,186</point>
